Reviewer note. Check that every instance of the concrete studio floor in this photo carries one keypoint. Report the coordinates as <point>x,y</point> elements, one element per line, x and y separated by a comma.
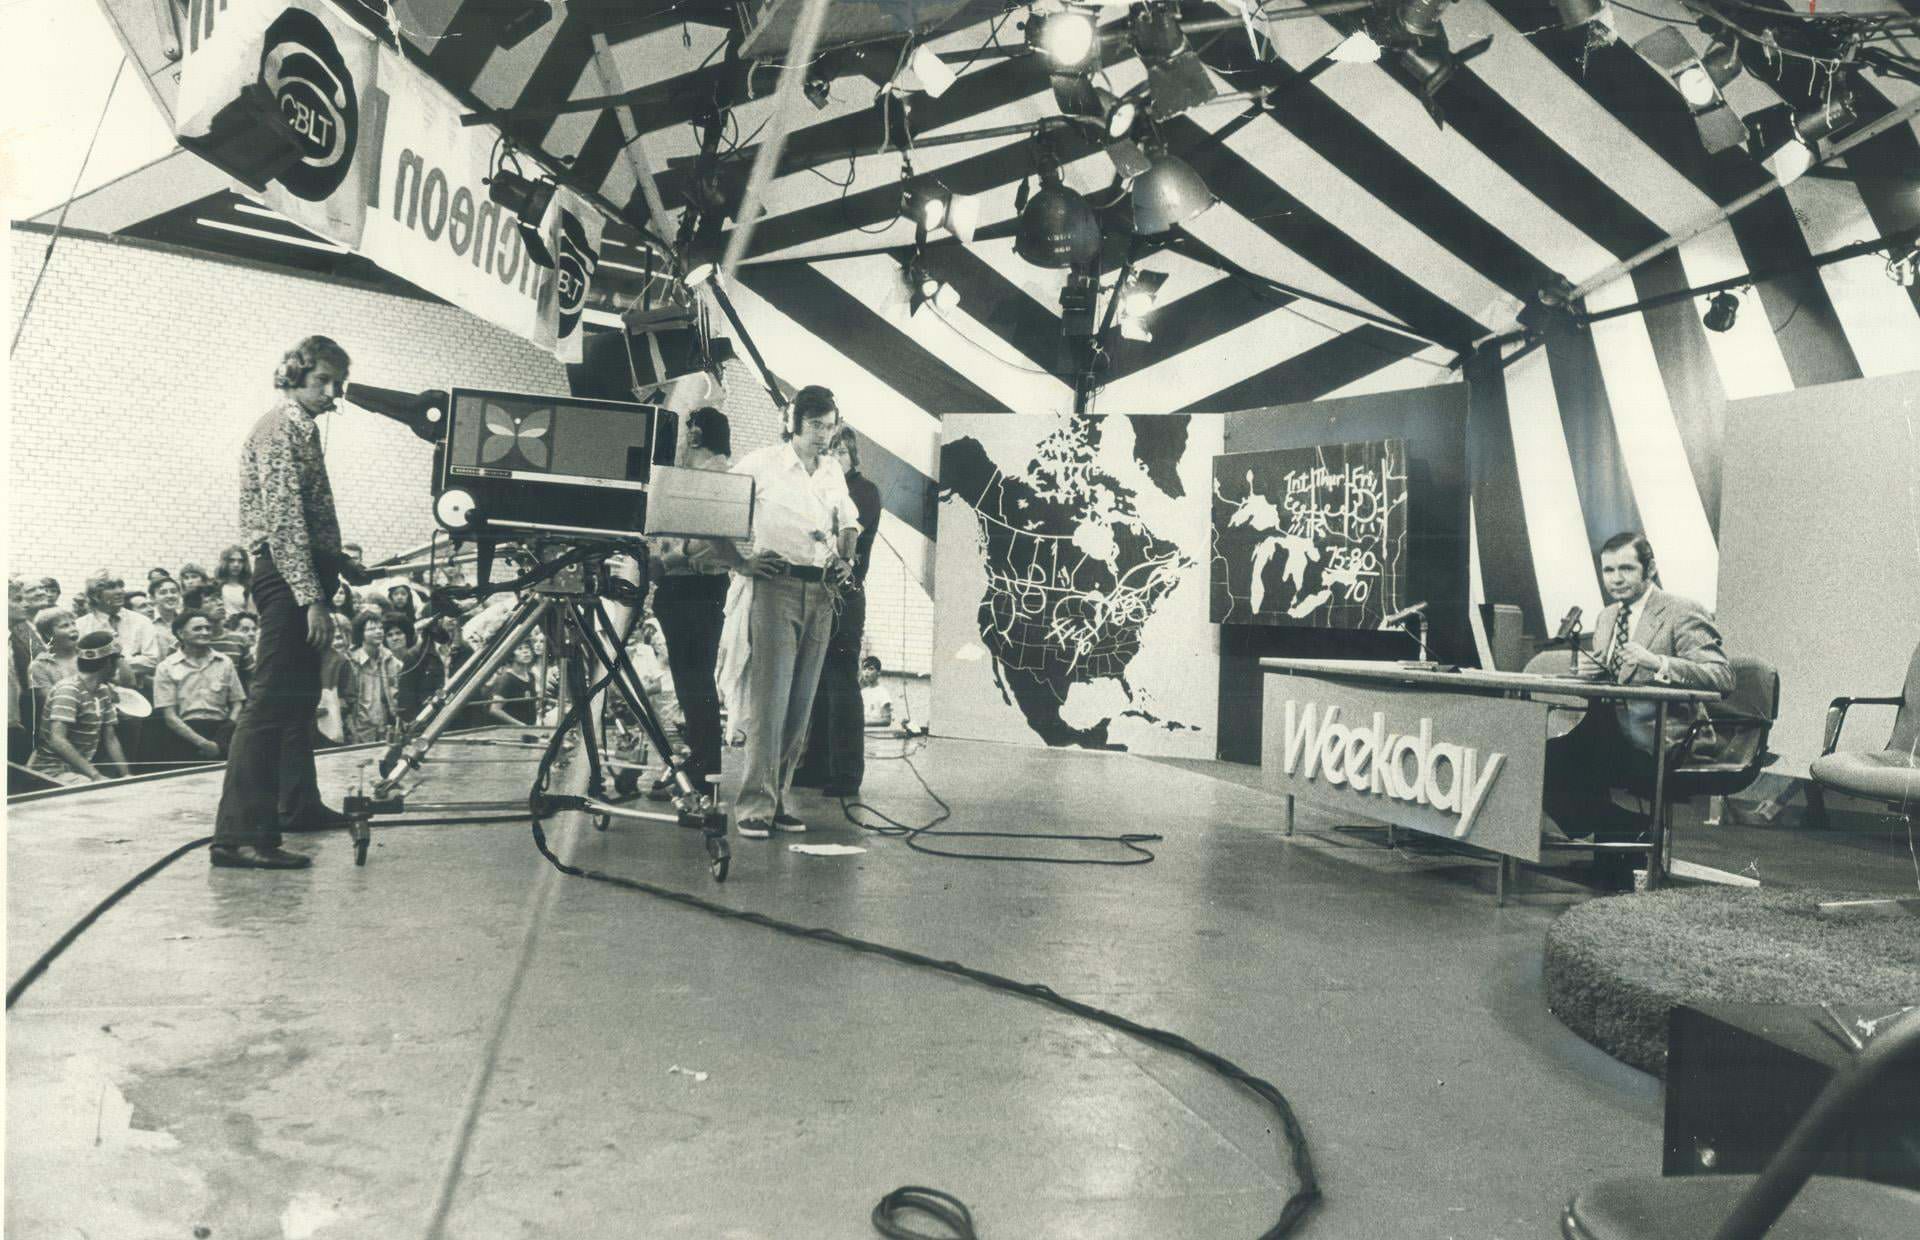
<point>293,1055</point>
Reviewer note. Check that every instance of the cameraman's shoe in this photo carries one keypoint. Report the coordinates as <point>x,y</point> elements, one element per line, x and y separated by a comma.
<point>256,857</point>
<point>754,828</point>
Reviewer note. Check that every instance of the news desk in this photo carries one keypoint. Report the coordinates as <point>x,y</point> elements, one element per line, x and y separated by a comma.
<point>1458,754</point>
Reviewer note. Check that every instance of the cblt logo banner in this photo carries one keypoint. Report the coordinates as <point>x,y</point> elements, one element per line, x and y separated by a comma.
<point>573,231</point>
<point>319,70</point>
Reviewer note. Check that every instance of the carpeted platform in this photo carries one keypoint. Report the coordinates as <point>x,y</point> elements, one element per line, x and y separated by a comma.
<point>1616,967</point>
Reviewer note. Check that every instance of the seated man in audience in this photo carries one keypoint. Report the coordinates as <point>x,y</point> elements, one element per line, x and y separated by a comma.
<point>42,594</point>
<point>233,635</point>
<point>77,743</point>
<point>168,603</point>
<point>1643,636</point>
<point>139,603</point>
<point>139,641</point>
<point>876,704</point>
<point>197,696</point>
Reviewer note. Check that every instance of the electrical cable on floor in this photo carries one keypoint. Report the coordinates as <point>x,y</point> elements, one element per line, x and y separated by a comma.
<point>1304,1198</point>
<point>79,928</point>
<point>911,835</point>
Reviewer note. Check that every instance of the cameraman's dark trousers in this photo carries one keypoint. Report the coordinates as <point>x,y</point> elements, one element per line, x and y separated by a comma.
<point>690,609</point>
<point>836,757</point>
<point>270,776</point>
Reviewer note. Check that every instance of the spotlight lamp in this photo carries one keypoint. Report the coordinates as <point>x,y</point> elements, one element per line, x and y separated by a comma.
<point>1095,107</point>
<point>1787,143</point>
<point>1057,226</point>
<point>925,289</point>
<point>1137,295</point>
<point>1167,195</point>
<point>1698,82</point>
<point>1414,20</point>
<point>528,200</point>
<point>1176,78</point>
<point>932,207</point>
<point>1069,40</point>
<point>1432,65</point>
<point>1721,312</point>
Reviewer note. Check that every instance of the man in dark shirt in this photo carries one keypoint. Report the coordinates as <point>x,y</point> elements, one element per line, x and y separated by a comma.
<point>836,757</point>
<point>287,517</point>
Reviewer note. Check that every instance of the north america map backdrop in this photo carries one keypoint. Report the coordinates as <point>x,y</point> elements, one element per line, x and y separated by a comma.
<point>1071,582</point>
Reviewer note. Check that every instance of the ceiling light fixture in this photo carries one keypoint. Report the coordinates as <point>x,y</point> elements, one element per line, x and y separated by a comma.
<point>1094,106</point>
<point>1167,194</point>
<point>933,206</point>
<point>1057,228</point>
<point>1069,40</point>
<point>528,200</point>
<point>1137,295</point>
<point>1412,30</point>
<point>1721,312</point>
<point>1176,78</point>
<point>1699,82</point>
<point>1787,143</point>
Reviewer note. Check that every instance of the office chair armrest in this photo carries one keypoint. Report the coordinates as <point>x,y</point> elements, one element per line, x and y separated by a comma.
<point>1837,717</point>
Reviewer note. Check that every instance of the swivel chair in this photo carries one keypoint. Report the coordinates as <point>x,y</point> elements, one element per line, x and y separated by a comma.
<point>1741,723</point>
<point>1891,776</point>
<point>1785,1201</point>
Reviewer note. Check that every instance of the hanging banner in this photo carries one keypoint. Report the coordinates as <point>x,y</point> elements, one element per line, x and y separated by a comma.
<point>572,232</point>
<point>387,170</point>
<point>318,69</point>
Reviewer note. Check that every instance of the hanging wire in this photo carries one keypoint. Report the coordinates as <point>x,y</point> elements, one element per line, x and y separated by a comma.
<point>60,224</point>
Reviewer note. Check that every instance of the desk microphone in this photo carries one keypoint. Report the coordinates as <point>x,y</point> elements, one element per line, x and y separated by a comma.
<point>1403,615</point>
<point>1570,626</point>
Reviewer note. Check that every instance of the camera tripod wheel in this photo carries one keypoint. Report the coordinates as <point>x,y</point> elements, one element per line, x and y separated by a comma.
<point>719,853</point>
<point>602,820</point>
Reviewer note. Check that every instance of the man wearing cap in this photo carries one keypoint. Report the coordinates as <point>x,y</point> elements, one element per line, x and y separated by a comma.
<point>287,516</point>
<point>81,712</point>
<point>107,611</point>
<point>197,696</point>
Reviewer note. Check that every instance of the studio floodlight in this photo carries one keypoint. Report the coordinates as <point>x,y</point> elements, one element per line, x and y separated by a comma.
<point>1094,106</point>
<point>1721,312</point>
<point>1416,20</point>
<point>1167,194</point>
<point>933,206</point>
<point>1069,41</point>
<point>528,200</point>
<point>1137,296</point>
<point>1057,228</point>
<point>1787,143</point>
<point>1176,77</point>
<point>1699,85</point>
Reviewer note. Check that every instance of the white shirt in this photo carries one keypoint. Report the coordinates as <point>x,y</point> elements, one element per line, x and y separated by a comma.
<point>797,515</point>
<point>140,643</point>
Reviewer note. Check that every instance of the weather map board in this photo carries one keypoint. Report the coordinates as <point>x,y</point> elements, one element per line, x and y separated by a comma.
<point>1313,536</point>
<point>1072,570</point>
<point>521,463</point>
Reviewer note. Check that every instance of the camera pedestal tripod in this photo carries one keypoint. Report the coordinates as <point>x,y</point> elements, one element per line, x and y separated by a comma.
<point>565,596</point>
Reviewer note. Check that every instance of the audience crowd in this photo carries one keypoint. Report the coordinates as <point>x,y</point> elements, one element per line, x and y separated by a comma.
<point>112,681</point>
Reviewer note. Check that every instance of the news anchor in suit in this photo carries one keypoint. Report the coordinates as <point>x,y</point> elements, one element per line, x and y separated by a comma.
<point>1643,636</point>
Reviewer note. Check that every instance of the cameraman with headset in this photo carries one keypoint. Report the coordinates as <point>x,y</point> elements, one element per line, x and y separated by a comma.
<point>804,535</point>
<point>287,516</point>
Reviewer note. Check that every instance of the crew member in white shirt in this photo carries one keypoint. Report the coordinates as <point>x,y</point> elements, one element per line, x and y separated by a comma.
<point>804,531</point>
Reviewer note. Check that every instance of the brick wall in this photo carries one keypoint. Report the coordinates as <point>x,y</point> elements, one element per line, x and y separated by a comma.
<point>142,369</point>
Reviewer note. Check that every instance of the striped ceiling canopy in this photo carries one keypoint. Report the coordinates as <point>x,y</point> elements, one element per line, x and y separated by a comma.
<point>1552,153</point>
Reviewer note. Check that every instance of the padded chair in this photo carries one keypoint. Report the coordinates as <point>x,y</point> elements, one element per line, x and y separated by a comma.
<point>1741,723</point>
<point>1891,776</point>
<point>1786,1201</point>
